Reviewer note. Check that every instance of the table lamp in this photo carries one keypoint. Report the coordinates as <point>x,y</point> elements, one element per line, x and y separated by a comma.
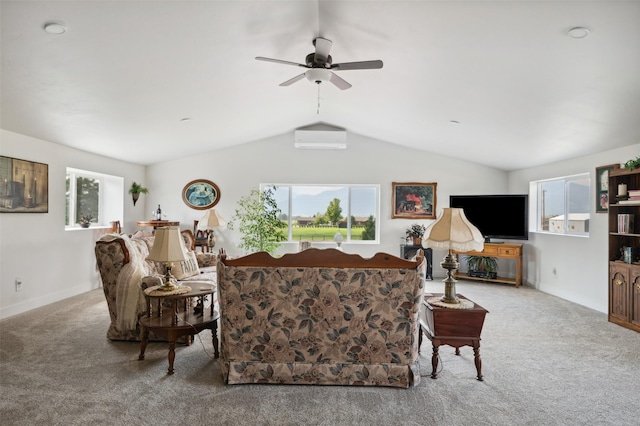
<point>168,247</point>
<point>210,221</point>
<point>452,231</point>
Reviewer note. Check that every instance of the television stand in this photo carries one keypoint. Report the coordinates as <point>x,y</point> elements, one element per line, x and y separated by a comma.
<point>501,251</point>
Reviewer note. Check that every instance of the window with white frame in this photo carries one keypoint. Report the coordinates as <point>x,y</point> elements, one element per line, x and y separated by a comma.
<point>96,196</point>
<point>316,212</point>
<point>562,205</point>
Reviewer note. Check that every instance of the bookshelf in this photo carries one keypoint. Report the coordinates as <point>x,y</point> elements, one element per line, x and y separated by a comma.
<point>624,249</point>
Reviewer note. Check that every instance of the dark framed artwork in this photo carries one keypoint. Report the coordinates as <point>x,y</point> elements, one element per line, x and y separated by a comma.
<point>602,187</point>
<point>413,200</point>
<point>201,194</point>
<point>24,186</point>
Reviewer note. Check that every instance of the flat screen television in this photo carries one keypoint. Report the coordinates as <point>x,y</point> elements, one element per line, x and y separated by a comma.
<point>496,216</point>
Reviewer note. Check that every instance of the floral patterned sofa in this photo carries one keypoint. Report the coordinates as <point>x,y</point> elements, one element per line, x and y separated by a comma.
<point>320,317</point>
<point>122,264</point>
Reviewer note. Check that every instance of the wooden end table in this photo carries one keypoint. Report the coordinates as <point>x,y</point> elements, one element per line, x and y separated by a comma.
<point>453,327</point>
<point>179,319</point>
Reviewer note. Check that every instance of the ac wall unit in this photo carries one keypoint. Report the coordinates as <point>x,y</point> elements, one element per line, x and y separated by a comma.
<point>320,137</point>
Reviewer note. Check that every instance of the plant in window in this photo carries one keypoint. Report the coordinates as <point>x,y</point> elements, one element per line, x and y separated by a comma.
<point>257,218</point>
<point>85,221</point>
<point>135,191</point>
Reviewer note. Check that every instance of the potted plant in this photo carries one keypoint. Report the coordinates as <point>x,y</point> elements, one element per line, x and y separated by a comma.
<point>135,191</point>
<point>632,164</point>
<point>257,219</point>
<point>482,266</point>
<point>415,232</point>
<point>85,221</point>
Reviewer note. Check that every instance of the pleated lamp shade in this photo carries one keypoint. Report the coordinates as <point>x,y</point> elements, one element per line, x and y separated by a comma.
<point>453,231</point>
<point>168,245</point>
<point>211,220</point>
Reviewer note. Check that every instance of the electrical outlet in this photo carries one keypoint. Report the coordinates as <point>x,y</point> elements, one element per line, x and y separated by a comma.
<point>18,284</point>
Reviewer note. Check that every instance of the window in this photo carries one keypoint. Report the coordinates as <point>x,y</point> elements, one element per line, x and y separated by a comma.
<point>94,195</point>
<point>316,212</point>
<point>562,205</point>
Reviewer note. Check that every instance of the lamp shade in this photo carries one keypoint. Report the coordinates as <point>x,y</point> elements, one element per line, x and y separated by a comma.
<point>211,220</point>
<point>453,231</point>
<point>168,245</point>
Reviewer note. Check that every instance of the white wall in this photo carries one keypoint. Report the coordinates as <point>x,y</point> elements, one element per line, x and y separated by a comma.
<point>53,263</point>
<point>239,169</point>
<point>581,264</point>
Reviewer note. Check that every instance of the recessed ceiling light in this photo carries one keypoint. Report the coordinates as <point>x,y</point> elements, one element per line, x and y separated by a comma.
<point>578,32</point>
<point>55,28</point>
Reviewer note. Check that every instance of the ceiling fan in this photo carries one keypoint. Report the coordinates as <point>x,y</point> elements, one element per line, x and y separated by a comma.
<point>320,66</point>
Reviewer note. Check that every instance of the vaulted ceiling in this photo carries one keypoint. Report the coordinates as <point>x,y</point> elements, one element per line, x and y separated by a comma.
<point>500,83</point>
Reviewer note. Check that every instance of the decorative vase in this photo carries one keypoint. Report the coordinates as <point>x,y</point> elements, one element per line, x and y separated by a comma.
<point>84,225</point>
<point>417,241</point>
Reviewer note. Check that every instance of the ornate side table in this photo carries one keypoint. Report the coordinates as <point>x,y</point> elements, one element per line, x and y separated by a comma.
<point>178,318</point>
<point>453,327</point>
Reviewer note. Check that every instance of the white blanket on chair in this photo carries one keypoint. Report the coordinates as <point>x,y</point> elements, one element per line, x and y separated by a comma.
<point>129,296</point>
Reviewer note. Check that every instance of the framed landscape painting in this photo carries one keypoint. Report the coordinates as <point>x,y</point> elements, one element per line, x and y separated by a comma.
<point>201,194</point>
<point>24,186</point>
<point>413,200</point>
<point>602,187</point>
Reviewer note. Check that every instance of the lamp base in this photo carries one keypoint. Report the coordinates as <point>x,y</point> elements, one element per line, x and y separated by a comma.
<point>168,286</point>
<point>169,283</point>
<point>450,263</point>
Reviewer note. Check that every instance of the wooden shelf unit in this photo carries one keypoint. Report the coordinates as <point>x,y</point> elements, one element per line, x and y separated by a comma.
<point>501,251</point>
<point>624,278</point>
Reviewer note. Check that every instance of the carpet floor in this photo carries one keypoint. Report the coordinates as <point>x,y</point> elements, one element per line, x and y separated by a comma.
<point>545,361</point>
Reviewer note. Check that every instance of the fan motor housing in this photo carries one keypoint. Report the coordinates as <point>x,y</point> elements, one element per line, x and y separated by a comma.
<point>310,61</point>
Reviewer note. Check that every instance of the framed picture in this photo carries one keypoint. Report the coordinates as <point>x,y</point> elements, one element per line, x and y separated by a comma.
<point>24,186</point>
<point>413,200</point>
<point>602,187</point>
<point>201,194</point>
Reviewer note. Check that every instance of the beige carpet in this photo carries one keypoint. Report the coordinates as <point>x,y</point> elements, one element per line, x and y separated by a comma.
<point>545,362</point>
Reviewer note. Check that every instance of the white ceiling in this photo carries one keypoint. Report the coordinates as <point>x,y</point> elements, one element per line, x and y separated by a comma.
<point>125,74</point>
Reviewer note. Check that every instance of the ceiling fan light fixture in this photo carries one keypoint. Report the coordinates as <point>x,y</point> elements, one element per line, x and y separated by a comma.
<point>318,75</point>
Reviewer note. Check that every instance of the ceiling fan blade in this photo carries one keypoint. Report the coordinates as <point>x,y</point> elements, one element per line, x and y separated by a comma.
<point>292,80</point>
<point>279,61</point>
<point>339,82</point>
<point>362,65</point>
<point>323,46</point>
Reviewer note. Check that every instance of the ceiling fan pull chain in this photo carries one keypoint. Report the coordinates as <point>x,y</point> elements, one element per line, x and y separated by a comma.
<point>318,110</point>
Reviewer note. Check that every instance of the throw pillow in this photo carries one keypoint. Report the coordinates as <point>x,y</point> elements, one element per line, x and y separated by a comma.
<point>186,268</point>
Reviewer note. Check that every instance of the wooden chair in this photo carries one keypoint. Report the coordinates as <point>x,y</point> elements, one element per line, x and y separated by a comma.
<point>201,237</point>
<point>115,227</point>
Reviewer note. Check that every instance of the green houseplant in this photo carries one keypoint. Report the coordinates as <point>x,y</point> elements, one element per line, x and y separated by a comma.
<point>257,219</point>
<point>135,191</point>
<point>85,221</point>
<point>415,232</point>
<point>632,164</point>
<point>482,266</point>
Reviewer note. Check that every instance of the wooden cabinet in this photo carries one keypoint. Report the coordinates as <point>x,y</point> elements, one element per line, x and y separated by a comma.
<point>501,251</point>
<point>624,277</point>
<point>624,295</point>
